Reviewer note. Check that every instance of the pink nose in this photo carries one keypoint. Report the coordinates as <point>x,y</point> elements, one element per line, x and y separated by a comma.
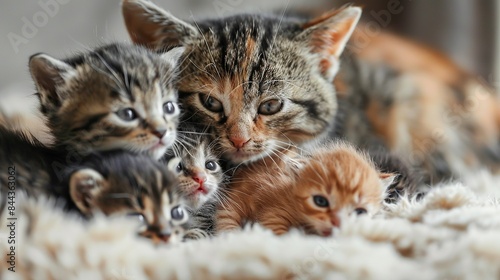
<point>238,142</point>
<point>199,178</point>
<point>335,220</point>
<point>159,133</point>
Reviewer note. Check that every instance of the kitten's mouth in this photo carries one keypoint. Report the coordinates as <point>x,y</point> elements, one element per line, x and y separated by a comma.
<point>157,150</point>
<point>157,145</point>
<point>201,190</point>
<point>326,232</point>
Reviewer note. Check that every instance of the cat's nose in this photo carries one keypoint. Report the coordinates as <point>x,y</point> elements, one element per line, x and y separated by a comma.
<point>238,142</point>
<point>159,132</point>
<point>156,235</point>
<point>160,237</point>
<point>335,220</point>
<point>199,177</point>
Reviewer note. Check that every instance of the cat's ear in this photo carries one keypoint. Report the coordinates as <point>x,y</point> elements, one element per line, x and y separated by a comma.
<point>153,27</point>
<point>84,187</point>
<point>172,56</point>
<point>328,34</point>
<point>386,180</point>
<point>49,74</point>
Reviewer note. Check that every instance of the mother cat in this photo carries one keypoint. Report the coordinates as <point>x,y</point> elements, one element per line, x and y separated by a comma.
<point>264,83</point>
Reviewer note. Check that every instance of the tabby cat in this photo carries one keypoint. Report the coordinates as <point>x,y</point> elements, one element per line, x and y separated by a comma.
<point>200,174</point>
<point>252,77</point>
<point>111,182</point>
<point>313,192</point>
<point>264,83</point>
<point>108,98</point>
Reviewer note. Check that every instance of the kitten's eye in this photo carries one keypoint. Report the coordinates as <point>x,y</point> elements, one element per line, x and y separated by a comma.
<point>179,167</point>
<point>211,165</point>
<point>169,108</point>
<point>211,103</point>
<point>270,107</point>
<point>139,216</point>
<point>127,114</point>
<point>360,211</point>
<point>177,213</point>
<point>321,201</point>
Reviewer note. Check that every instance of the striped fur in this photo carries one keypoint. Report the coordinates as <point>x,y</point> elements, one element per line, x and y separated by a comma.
<point>200,174</point>
<point>269,78</point>
<point>112,183</point>
<point>392,94</point>
<point>441,131</point>
<point>281,196</point>
<point>86,97</point>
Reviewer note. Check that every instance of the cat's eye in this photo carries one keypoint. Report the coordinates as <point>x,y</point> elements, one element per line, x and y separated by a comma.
<point>360,211</point>
<point>321,201</point>
<point>138,216</point>
<point>177,213</point>
<point>270,107</point>
<point>127,114</point>
<point>211,103</point>
<point>211,165</point>
<point>169,107</point>
<point>179,167</point>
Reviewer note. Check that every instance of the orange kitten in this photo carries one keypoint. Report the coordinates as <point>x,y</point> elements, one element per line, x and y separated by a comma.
<point>310,192</point>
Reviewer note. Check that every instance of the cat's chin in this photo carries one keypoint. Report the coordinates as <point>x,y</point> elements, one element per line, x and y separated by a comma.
<point>244,157</point>
<point>157,151</point>
<point>197,198</point>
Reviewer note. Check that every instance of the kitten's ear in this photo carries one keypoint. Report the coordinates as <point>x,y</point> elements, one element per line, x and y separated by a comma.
<point>328,34</point>
<point>153,27</point>
<point>49,73</point>
<point>387,179</point>
<point>84,186</point>
<point>172,56</point>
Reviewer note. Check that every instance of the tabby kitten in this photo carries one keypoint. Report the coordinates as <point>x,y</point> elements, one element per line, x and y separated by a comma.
<point>260,82</point>
<point>312,192</point>
<point>200,175</point>
<point>265,82</point>
<point>112,182</point>
<point>108,98</point>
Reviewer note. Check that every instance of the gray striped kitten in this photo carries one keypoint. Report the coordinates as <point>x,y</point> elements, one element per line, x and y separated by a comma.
<point>111,182</point>
<point>262,83</point>
<point>201,177</point>
<point>109,98</point>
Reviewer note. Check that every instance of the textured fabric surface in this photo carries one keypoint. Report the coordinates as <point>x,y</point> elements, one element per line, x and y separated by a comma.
<point>450,234</point>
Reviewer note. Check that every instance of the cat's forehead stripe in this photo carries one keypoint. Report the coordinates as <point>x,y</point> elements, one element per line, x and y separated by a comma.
<point>244,41</point>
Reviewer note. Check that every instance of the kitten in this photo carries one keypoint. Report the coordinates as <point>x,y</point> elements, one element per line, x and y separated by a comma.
<point>109,98</point>
<point>200,174</point>
<point>112,183</point>
<point>312,192</point>
<point>264,83</point>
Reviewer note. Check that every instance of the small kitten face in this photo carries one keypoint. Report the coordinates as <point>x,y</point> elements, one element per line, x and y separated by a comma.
<point>199,171</point>
<point>113,97</point>
<point>118,183</point>
<point>336,184</point>
<point>262,83</point>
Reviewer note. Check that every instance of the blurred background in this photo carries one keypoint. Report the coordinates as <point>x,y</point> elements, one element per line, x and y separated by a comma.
<point>465,30</point>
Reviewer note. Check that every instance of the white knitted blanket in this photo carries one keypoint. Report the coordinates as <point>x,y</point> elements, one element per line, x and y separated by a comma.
<point>453,233</point>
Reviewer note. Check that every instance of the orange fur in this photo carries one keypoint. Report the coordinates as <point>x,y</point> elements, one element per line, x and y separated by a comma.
<point>279,192</point>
